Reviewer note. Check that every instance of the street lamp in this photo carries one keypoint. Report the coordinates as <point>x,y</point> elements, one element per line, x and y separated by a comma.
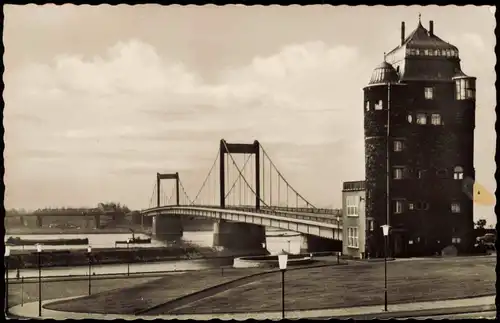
<point>338,227</point>
<point>39,253</point>
<point>288,246</point>
<point>282,260</point>
<point>385,230</point>
<point>89,254</point>
<point>128,255</point>
<point>7,255</point>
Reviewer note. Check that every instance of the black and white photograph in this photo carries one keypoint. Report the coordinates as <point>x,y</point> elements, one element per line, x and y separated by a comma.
<point>249,162</point>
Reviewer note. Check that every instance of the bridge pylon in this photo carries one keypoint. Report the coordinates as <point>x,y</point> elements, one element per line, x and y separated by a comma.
<point>231,148</point>
<point>159,177</point>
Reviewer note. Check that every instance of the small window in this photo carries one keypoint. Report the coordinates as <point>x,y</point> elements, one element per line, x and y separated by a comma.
<point>352,237</point>
<point>419,173</point>
<point>379,105</point>
<point>398,173</point>
<point>410,118</point>
<point>398,207</point>
<point>456,240</point>
<point>398,145</point>
<point>367,105</point>
<point>371,225</point>
<point>429,93</point>
<point>411,206</point>
<point>352,203</point>
<point>458,172</point>
<point>421,118</point>
<point>436,119</point>
<point>455,207</point>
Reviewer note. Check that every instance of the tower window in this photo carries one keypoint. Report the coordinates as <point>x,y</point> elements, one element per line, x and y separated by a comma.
<point>367,105</point>
<point>455,207</point>
<point>379,105</point>
<point>436,119</point>
<point>398,173</point>
<point>398,145</point>
<point>398,207</point>
<point>465,89</point>
<point>458,172</point>
<point>421,118</point>
<point>429,93</point>
<point>410,118</point>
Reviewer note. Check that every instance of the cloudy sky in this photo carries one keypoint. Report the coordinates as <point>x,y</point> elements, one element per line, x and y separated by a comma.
<point>100,98</point>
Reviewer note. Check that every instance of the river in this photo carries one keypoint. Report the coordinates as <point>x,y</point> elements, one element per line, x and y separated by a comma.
<point>276,241</point>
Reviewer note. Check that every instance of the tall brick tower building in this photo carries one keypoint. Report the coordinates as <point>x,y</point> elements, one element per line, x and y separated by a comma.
<point>419,111</point>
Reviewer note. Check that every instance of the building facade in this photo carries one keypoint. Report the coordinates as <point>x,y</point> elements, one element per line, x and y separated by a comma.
<point>354,223</point>
<point>419,120</point>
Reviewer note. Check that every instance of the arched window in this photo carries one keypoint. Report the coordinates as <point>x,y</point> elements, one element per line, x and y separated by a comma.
<point>458,172</point>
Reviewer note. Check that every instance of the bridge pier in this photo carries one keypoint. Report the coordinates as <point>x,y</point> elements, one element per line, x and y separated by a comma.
<point>167,227</point>
<point>310,243</point>
<point>39,221</point>
<point>239,236</point>
<point>97,221</point>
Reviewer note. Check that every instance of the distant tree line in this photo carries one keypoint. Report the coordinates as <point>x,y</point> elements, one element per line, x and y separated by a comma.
<point>101,208</point>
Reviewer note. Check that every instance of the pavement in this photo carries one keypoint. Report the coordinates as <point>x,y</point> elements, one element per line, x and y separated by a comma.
<point>484,304</point>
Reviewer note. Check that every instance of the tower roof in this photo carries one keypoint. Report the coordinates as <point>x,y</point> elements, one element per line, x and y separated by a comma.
<point>422,38</point>
<point>384,73</point>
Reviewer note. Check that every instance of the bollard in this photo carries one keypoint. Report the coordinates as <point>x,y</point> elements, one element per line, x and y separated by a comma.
<point>22,291</point>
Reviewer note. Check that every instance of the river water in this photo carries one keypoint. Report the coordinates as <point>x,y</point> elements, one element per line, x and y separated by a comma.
<point>276,241</point>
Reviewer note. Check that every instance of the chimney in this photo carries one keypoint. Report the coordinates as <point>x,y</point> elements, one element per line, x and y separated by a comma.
<point>431,28</point>
<point>402,32</point>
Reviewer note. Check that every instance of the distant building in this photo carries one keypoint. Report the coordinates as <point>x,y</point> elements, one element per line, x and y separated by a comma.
<point>354,222</point>
<point>422,149</point>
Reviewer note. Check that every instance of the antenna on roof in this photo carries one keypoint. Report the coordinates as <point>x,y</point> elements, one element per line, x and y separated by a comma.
<point>419,16</point>
<point>384,58</point>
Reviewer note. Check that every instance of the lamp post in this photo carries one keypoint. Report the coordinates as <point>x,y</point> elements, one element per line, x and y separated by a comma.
<point>89,254</point>
<point>385,230</point>
<point>128,260</point>
<point>338,227</point>
<point>283,260</point>
<point>288,246</point>
<point>39,253</point>
<point>7,255</point>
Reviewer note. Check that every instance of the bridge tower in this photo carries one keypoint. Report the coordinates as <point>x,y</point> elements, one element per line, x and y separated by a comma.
<point>227,148</point>
<point>159,177</point>
<point>167,227</point>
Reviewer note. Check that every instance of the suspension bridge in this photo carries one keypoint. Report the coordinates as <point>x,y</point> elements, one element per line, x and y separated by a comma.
<point>243,192</point>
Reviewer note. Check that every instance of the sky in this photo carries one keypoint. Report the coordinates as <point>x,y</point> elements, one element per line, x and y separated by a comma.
<point>100,98</point>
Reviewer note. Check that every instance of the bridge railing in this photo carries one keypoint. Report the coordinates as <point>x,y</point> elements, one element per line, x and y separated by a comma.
<point>295,213</point>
